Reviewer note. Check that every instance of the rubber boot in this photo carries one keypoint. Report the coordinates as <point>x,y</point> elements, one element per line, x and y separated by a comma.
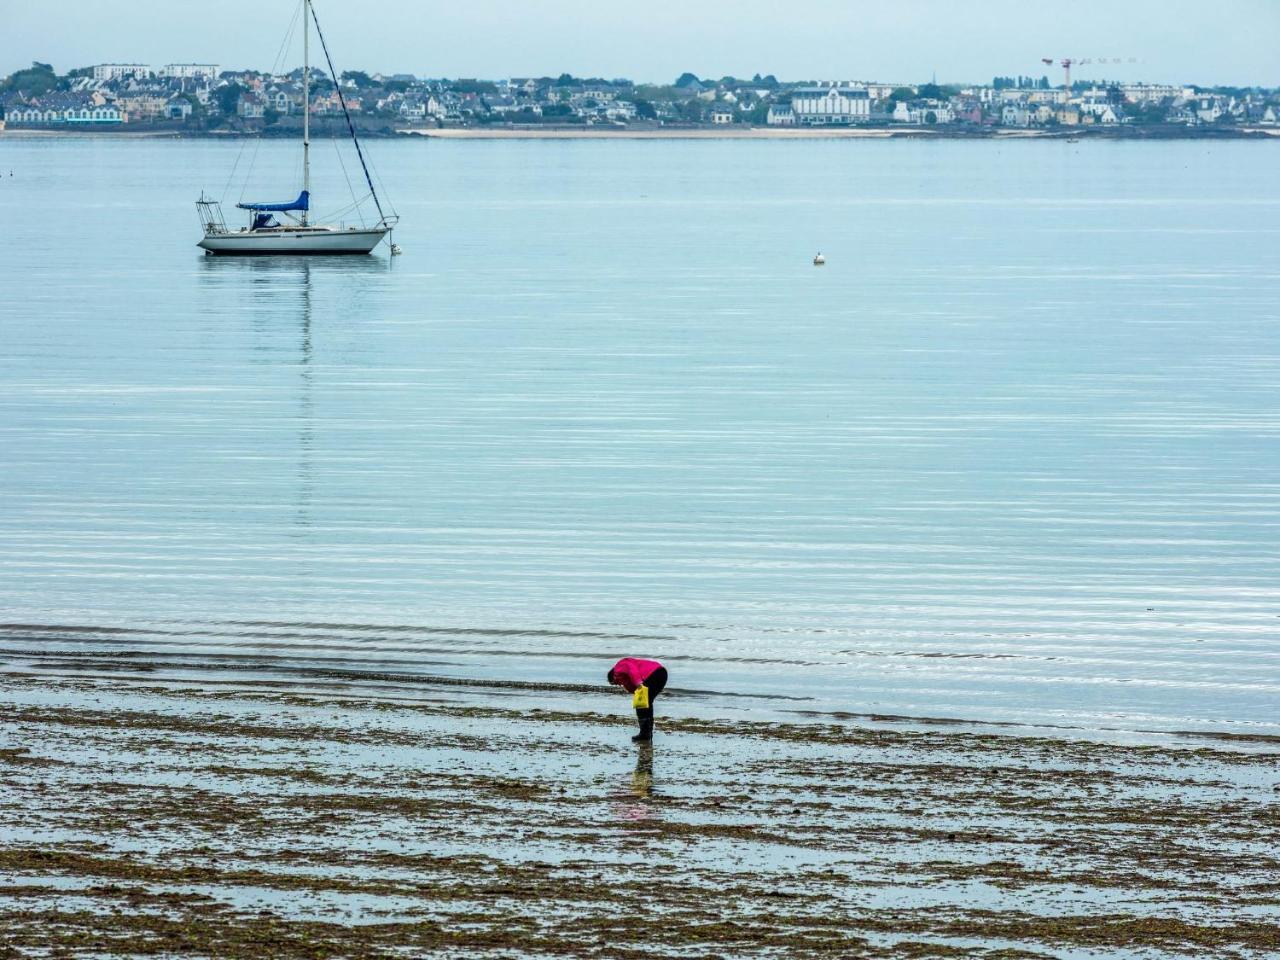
<point>645,716</point>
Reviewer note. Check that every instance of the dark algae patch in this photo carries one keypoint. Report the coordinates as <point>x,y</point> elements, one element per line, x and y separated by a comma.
<point>237,820</point>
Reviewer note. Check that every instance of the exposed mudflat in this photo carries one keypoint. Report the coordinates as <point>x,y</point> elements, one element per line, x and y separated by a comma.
<point>143,816</point>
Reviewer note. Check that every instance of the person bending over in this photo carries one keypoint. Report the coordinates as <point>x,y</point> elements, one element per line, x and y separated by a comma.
<point>644,680</point>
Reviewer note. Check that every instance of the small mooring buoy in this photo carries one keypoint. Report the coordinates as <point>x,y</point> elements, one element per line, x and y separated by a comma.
<point>819,260</point>
<point>395,250</point>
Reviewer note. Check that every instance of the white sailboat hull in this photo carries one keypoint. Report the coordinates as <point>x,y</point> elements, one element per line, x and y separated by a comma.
<point>265,243</point>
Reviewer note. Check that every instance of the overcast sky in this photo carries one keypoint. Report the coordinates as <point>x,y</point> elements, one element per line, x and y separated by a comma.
<point>1227,41</point>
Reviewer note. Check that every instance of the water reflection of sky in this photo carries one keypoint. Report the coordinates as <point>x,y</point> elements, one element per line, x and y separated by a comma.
<point>1010,456</point>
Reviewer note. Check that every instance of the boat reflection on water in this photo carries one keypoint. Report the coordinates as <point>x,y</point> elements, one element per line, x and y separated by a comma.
<point>273,295</point>
<point>283,267</point>
<point>274,289</point>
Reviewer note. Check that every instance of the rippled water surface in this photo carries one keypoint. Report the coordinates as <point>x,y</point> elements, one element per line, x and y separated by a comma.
<point>1012,455</point>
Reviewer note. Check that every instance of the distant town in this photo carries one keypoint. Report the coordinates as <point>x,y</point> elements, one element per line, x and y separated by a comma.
<point>204,98</point>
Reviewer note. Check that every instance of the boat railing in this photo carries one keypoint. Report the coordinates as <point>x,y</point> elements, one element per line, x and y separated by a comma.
<point>211,216</point>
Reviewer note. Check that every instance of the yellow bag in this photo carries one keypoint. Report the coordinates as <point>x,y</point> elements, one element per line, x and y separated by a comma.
<point>640,699</point>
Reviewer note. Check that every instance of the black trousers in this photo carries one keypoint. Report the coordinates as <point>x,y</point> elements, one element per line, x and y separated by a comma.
<point>656,682</point>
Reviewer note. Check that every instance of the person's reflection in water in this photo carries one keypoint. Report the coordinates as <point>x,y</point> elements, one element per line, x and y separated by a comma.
<point>633,806</point>
<point>642,779</point>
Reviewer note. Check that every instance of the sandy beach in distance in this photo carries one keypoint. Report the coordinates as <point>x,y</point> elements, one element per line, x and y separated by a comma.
<point>665,133</point>
<point>802,133</point>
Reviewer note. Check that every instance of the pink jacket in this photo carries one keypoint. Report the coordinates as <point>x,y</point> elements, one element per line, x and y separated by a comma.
<point>632,672</point>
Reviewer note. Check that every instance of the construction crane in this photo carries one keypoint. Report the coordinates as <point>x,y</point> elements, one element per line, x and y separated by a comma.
<point>1067,63</point>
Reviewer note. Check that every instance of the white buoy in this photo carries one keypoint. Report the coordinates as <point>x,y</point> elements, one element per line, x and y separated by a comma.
<point>819,260</point>
<point>395,250</point>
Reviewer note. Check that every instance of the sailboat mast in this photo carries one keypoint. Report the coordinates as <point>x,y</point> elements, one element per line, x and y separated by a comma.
<point>351,127</point>
<point>306,101</point>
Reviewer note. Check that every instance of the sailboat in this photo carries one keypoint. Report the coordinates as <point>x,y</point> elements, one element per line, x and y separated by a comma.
<point>265,235</point>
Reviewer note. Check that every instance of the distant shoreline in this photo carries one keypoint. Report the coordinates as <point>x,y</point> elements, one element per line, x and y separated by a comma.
<point>667,133</point>
<point>686,133</point>
<point>831,133</point>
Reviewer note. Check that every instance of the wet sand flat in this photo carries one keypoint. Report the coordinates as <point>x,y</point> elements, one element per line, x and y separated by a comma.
<point>232,817</point>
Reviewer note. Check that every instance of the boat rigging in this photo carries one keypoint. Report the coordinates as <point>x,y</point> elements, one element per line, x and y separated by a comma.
<point>265,235</point>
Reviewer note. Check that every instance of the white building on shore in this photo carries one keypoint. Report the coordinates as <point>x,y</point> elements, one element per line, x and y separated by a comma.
<point>1151,92</point>
<point>831,104</point>
<point>780,116</point>
<point>883,91</point>
<point>189,71</point>
<point>121,71</point>
<point>1015,115</point>
<point>65,109</point>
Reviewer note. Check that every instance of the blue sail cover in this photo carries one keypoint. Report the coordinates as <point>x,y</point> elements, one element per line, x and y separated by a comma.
<point>302,203</point>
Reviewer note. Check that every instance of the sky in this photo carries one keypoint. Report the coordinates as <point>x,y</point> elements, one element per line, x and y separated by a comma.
<point>909,41</point>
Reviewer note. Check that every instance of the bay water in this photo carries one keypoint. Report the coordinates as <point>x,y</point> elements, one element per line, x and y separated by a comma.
<point>1011,456</point>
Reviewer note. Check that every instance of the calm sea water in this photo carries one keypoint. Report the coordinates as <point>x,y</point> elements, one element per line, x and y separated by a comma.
<point>1012,455</point>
